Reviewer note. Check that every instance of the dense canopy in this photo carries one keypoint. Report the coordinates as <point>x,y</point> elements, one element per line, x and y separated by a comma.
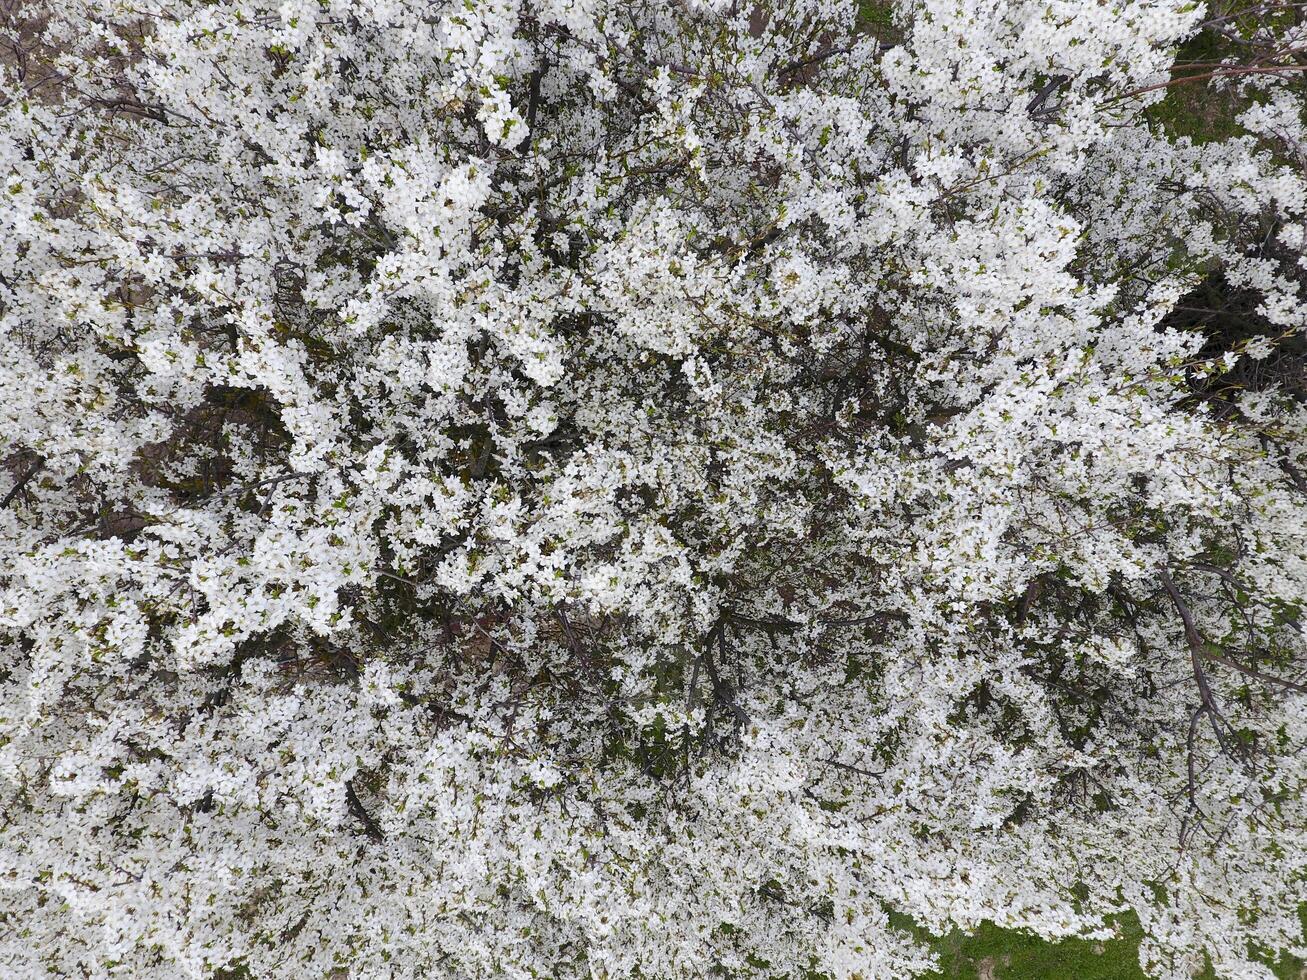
<point>616,488</point>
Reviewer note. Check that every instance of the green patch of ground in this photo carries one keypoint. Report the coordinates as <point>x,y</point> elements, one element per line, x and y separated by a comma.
<point>872,12</point>
<point>1194,108</point>
<point>991,953</point>
<point>876,17</point>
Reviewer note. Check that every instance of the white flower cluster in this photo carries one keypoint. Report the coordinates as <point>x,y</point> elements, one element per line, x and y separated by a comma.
<point>587,488</point>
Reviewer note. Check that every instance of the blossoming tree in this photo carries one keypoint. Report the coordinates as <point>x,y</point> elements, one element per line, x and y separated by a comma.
<point>610,488</point>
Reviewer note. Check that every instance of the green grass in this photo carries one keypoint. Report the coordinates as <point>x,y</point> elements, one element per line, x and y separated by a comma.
<point>876,17</point>
<point>992,953</point>
<point>1194,109</point>
<point>1007,955</point>
<point>876,12</point>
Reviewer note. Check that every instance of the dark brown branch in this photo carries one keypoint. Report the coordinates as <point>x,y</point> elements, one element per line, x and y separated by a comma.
<point>1036,104</point>
<point>17,488</point>
<point>1260,675</point>
<point>361,814</point>
<point>820,56</point>
<point>1197,650</point>
<point>722,691</point>
<point>851,768</point>
<point>1205,76</point>
<point>1230,580</point>
<point>1028,600</point>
